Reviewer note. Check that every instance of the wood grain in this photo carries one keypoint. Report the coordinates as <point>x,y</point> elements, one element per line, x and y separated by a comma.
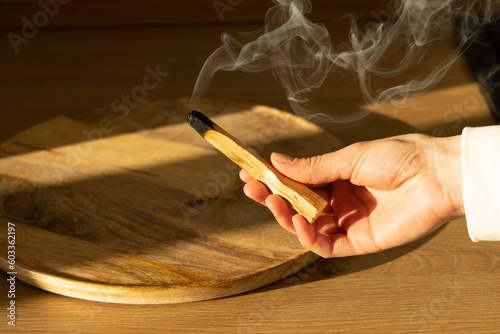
<point>440,284</point>
<point>152,216</point>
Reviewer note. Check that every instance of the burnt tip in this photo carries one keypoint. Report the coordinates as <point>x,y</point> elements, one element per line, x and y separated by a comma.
<point>199,122</point>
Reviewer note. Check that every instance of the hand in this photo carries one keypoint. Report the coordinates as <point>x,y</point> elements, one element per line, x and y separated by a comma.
<point>382,193</point>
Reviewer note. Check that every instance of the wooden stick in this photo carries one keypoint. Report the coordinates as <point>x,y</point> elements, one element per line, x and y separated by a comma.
<point>303,200</point>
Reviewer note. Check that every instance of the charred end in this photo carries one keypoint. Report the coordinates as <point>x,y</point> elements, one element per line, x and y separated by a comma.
<point>199,122</point>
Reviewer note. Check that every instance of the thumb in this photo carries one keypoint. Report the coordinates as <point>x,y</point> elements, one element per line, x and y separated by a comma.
<point>315,170</point>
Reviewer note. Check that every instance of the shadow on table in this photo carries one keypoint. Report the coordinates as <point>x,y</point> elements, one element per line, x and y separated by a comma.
<point>323,268</point>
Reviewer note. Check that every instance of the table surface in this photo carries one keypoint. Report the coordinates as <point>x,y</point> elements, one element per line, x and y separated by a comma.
<point>443,282</point>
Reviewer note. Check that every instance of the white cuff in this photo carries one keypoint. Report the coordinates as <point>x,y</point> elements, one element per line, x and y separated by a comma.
<point>481,180</point>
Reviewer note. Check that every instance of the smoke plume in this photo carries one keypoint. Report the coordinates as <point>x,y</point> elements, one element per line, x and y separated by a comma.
<point>301,56</point>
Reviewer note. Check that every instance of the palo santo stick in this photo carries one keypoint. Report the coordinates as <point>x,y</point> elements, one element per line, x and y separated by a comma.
<point>303,200</point>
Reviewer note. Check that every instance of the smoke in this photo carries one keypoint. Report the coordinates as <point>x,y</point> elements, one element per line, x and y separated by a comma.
<point>301,57</point>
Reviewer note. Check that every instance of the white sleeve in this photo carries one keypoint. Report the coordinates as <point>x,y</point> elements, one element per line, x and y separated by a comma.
<point>481,180</point>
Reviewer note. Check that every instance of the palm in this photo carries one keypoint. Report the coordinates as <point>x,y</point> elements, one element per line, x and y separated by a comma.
<point>392,210</point>
<point>379,219</point>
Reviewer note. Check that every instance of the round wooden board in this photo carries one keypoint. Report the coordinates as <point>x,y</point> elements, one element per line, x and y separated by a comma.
<point>128,204</point>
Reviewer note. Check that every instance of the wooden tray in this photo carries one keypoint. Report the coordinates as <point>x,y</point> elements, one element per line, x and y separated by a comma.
<point>131,205</point>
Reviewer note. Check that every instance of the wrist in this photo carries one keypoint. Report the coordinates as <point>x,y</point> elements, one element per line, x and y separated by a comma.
<point>448,158</point>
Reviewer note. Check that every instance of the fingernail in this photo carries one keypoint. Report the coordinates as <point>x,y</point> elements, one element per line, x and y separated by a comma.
<point>283,158</point>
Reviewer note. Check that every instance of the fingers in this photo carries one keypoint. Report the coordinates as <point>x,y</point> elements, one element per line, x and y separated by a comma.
<point>282,212</point>
<point>321,169</point>
<point>327,246</point>
<point>245,176</point>
<point>256,191</point>
<point>311,239</point>
<point>328,225</point>
<point>305,231</point>
<point>277,205</point>
<point>324,237</point>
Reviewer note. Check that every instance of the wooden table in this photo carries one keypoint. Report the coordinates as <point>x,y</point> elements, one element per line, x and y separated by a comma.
<point>442,283</point>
